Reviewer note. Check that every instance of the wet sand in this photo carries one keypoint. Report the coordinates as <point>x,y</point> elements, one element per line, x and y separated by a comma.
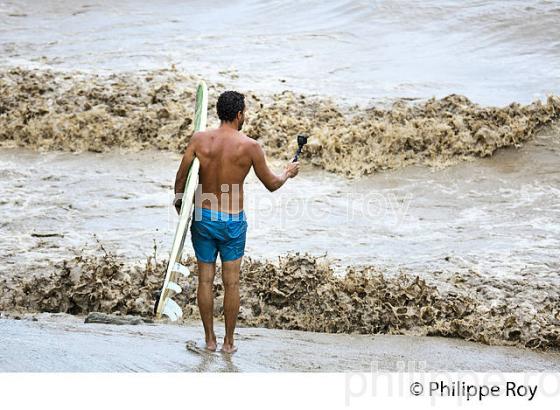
<point>63,343</point>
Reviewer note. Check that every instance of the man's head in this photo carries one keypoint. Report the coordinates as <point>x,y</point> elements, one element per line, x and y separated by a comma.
<point>231,108</point>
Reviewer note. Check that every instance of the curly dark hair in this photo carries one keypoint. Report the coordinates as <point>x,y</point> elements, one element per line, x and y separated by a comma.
<point>229,104</point>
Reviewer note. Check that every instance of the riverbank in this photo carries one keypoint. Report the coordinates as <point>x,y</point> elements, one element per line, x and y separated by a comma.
<point>64,343</point>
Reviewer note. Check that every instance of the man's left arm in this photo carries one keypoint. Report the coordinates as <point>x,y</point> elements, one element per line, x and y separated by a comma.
<point>183,172</point>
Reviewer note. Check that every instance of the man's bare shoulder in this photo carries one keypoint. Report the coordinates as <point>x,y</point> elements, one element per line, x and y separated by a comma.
<point>195,137</point>
<point>198,138</point>
<point>248,141</point>
<point>250,145</point>
<point>201,134</point>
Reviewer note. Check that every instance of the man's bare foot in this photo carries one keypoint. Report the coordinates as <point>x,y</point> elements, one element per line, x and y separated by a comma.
<point>211,343</point>
<point>229,349</point>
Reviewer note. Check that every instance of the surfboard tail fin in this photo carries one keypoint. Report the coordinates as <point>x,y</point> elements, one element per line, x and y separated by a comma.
<point>182,269</point>
<point>174,287</point>
<point>172,310</point>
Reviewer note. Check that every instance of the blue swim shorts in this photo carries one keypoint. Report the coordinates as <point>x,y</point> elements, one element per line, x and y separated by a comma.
<point>213,232</point>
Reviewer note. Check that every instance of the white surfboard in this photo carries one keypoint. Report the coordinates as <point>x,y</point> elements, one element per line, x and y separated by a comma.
<point>165,305</point>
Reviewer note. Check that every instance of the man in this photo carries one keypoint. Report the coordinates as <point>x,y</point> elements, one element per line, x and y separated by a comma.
<point>219,225</point>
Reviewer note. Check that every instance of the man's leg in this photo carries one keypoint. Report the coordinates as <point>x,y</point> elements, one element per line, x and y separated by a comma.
<point>205,299</point>
<point>230,277</point>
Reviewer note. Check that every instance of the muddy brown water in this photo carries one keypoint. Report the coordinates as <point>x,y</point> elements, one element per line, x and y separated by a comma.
<point>494,52</point>
<point>498,216</point>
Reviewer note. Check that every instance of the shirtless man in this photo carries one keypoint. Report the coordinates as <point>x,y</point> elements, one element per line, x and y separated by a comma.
<point>219,225</point>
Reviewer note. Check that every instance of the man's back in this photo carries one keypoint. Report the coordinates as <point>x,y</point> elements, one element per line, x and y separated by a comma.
<point>225,161</point>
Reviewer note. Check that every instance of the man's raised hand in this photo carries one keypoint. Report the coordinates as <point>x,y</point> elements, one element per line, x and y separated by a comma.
<point>292,169</point>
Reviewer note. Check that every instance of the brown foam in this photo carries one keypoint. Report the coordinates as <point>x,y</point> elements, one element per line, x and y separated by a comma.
<point>302,292</point>
<point>47,110</point>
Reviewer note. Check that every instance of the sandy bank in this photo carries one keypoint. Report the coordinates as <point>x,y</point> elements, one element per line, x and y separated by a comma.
<point>65,343</point>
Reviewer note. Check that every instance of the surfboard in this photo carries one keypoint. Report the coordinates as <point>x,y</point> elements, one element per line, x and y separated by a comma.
<point>165,305</point>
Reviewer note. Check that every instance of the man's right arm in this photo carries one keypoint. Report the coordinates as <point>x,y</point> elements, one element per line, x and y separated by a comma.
<point>269,179</point>
<point>182,173</point>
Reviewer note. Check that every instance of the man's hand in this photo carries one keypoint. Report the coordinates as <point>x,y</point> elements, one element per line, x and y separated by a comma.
<point>177,203</point>
<point>292,169</point>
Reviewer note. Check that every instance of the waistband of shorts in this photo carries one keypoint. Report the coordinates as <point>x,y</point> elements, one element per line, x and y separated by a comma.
<point>209,214</point>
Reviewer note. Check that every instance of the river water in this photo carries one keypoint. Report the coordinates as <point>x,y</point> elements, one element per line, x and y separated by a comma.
<point>494,52</point>
<point>496,216</point>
